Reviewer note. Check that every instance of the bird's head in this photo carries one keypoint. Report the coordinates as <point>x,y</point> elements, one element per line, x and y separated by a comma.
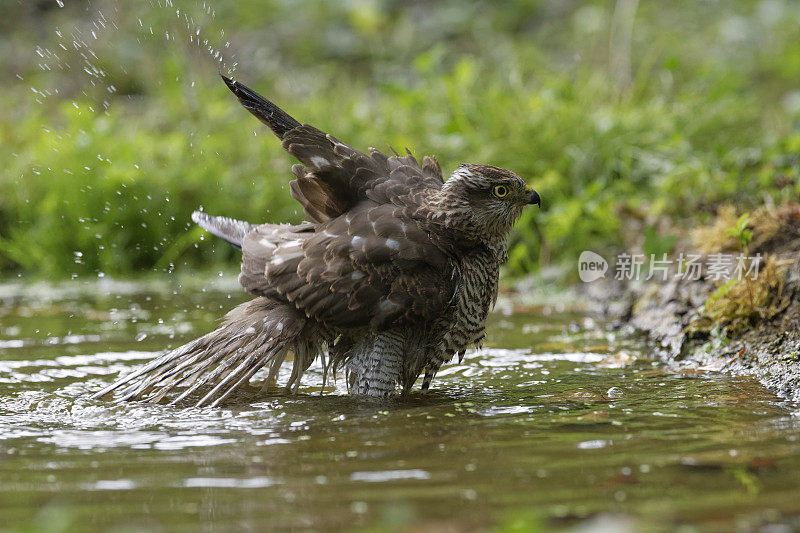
<point>485,199</point>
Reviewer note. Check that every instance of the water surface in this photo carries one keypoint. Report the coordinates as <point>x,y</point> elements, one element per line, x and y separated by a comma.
<point>558,422</point>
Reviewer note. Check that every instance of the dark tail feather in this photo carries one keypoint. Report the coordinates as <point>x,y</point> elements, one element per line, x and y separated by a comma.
<point>273,116</point>
<point>253,335</point>
<point>228,229</point>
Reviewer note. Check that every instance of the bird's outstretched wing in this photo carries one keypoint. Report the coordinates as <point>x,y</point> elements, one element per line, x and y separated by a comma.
<point>333,177</point>
<point>375,266</point>
<point>368,258</point>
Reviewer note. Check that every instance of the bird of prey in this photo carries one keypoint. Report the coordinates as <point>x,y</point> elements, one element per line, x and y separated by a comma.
<point>391,276</point>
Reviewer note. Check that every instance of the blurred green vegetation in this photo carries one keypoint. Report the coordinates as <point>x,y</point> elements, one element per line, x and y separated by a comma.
<point>114,125</point>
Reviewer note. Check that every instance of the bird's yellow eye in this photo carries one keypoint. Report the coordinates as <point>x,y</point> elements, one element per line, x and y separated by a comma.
<point>500,191</point>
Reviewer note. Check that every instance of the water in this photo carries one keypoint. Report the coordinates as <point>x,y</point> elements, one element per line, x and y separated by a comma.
<point>558,422</point>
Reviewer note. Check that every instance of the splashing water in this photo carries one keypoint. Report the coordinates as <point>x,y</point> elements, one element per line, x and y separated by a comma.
<point>86,47</point>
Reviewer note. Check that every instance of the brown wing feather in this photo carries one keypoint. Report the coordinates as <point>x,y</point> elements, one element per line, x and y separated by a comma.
<point>334,177</point>
<point>373,267</point>
<point>259,247</point>
<point>368,260</point>
<point>431,168</point>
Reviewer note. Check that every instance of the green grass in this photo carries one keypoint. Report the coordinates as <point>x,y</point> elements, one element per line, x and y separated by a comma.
<point>104,181</point>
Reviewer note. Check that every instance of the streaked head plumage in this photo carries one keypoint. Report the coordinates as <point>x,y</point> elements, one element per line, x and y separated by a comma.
<point>486,199</point>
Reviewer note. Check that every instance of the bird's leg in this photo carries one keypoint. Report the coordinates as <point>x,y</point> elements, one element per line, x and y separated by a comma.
<point>430,373</point>
<point>376,365</point>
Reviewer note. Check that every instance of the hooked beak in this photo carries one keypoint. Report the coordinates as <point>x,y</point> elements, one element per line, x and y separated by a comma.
<point>533,198</point>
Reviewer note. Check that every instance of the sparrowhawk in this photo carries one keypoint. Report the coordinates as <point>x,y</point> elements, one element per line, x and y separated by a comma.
<point>391,276</point>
